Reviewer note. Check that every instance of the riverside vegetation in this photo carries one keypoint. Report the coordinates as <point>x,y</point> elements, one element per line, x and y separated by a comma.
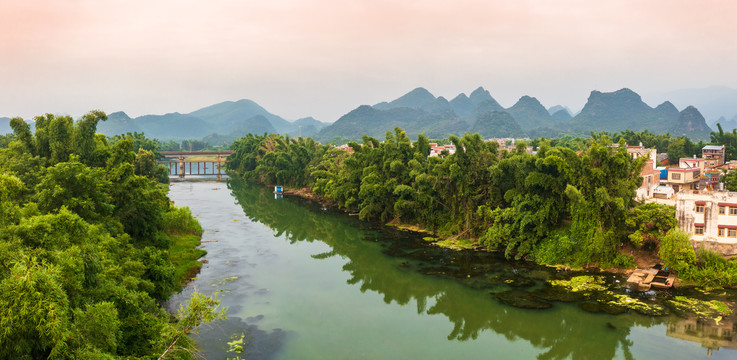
<point>558,206</point>
<point>89,244</point>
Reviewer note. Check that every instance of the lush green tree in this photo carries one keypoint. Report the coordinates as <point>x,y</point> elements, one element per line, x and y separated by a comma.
<point>83,256</point>
<point>5,140</point>
<point>648,223</point>
<point>676,250</point>
<point>81,189</point>
<point>34,312</point>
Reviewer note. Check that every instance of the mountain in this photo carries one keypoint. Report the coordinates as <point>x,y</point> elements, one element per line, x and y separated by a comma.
<point>307,127</point>
<point>561,115</point>
<point>530,114</point>
<point>462,105</point>
<point>554,109</point>
<point>5,126</point>
<point>258,125</point>
<point>221,122</point>
<point>415,99</point>
<point>497,124</point>
<point>692,124</point>
<point>419,111</point>
<point>727,125</point>
<point>228,116</point>
<point>173,126</point>
<point>481,95</point>
<point>713,102</point>
<point>117,123</point>
<point>376,122</point>
<point>624,109</point>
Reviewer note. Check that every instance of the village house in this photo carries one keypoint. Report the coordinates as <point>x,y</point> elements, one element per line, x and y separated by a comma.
<point>714,155</point>
<point>346,148</point>
<point>710,218</point>
<point>692,163</point>
<point>684,179</point>
<point>650,173</point>
<point>436,150</point>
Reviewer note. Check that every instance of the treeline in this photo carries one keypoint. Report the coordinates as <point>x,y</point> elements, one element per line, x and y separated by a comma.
<point>85,233</point>
<point>555,206</point>
<point>676,147</point>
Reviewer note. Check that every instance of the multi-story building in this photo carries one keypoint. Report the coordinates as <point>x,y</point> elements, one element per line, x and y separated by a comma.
<point>650,181</point>
<point>692,163</point>
<point>684,179</point>
<point>650,175</point>
<point>710,218</point>
<point>714,155</point>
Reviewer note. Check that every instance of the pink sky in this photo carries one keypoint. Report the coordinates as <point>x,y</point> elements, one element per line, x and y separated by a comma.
<point>324,58</point>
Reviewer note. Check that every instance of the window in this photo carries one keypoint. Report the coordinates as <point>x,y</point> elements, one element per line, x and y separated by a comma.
<point>700,208</point>
<point>732,210</point>
<point>699,230</point>
<point>676,176</point>
<point>722,210</point>
<point>732,232</point>
<point>721,232</point>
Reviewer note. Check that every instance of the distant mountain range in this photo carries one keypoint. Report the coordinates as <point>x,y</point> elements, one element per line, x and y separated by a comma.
<point>421,112</point>
<point>716,103</point>
<point>217,124</point>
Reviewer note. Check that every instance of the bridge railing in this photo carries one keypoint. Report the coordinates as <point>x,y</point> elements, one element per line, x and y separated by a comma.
<point>208,167</point>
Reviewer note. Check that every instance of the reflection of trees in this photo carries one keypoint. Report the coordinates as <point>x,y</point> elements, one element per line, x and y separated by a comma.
<point>564,333</point>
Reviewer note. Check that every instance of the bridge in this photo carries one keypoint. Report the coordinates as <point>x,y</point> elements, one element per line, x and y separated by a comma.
<point>199,167</point>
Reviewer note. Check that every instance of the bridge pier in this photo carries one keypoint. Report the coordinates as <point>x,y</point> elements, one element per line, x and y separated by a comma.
<point>181,166</point>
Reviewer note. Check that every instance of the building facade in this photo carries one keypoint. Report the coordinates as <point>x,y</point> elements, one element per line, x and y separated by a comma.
<point>692,163</point>
<point>683,179</point>
<point>710,218</point>
<point>714,155</point>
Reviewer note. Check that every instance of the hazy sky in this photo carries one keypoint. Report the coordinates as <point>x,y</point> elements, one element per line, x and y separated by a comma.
<point>324,58</point>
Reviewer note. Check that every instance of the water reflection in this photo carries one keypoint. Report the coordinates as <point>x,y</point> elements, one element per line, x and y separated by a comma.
<point>711,334</point>
<point>467,302</point>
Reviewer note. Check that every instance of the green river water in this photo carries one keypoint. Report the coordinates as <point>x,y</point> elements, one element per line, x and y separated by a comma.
<point>306,282</point>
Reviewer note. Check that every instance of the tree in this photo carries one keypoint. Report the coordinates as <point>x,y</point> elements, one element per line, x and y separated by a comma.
<point>648,223</point>
<point>34,312</point>
<point>79,188</point>
<point>676,250</point>
<point>200,309</point>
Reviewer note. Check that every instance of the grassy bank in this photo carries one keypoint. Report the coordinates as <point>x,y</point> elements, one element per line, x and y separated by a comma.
<point>184,233</point>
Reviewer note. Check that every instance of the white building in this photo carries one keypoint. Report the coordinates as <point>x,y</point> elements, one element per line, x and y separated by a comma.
<point>710,218</point>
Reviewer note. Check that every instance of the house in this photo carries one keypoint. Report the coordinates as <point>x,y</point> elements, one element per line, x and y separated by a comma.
<point>641,151</point>
<point>690,163</point>
<point>714,155</point>
<point>650,175</point>
<point>710,218</point>
<point>650,180</point>
<point>436,150</point>
<point>683,179</point>
<point>346,148</point>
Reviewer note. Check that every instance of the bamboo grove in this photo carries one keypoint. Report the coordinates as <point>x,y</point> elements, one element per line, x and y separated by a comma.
<point>554,206</point>
<point>85,235</point>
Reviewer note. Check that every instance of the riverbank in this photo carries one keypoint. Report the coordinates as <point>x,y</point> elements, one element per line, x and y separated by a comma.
<point>185,234</point>
<point>642,259</point>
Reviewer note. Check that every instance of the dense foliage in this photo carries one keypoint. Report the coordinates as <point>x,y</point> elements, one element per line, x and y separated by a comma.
<point>676,147</point>
<point>83,244</point>
<point>512,200</point>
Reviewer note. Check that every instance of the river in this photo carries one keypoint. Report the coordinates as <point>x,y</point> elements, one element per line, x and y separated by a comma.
<point>301,281</point>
